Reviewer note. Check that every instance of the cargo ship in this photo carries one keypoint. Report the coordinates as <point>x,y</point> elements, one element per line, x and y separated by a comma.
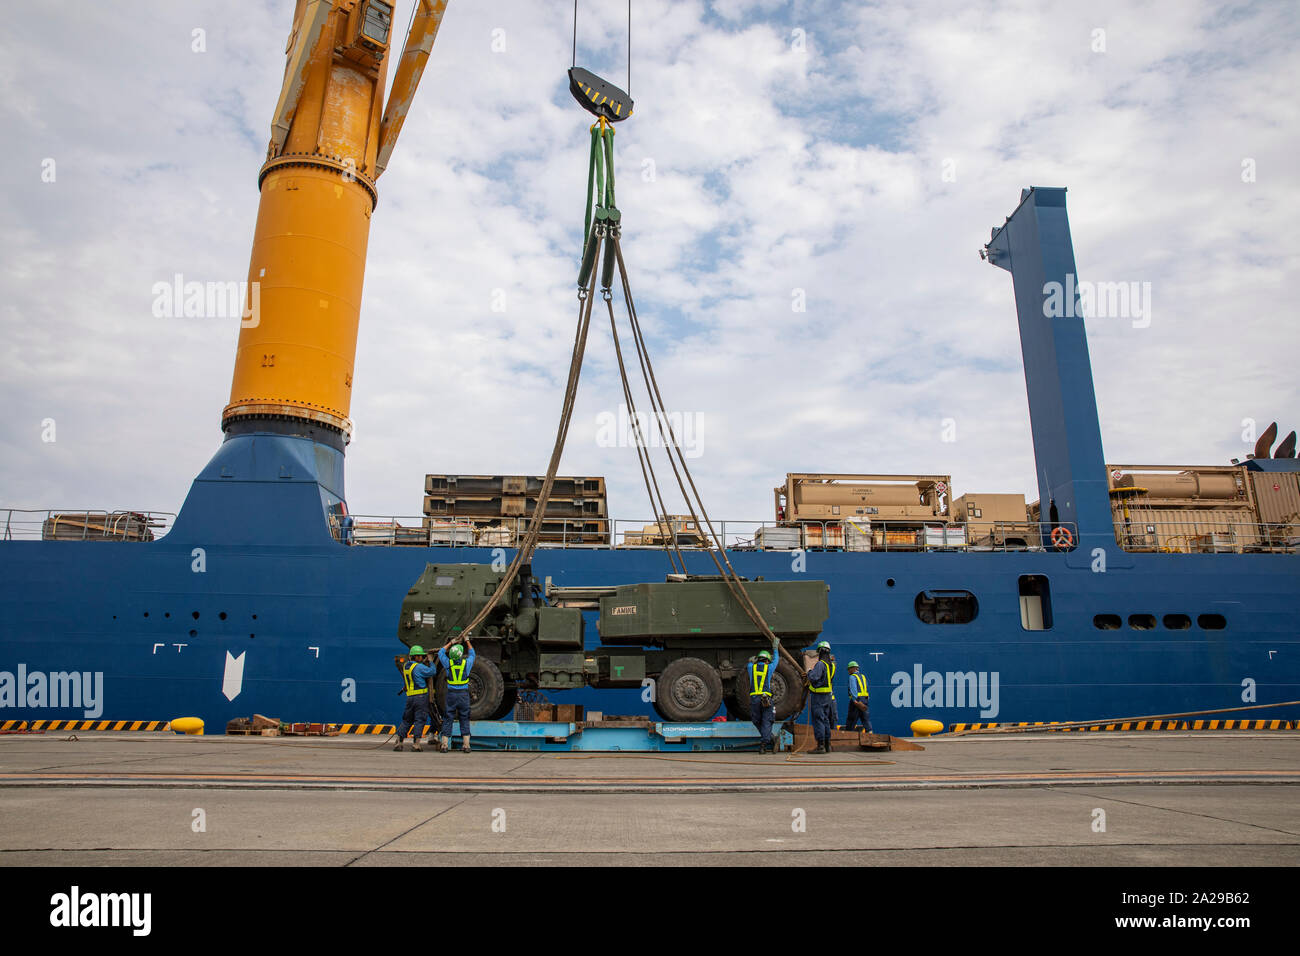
<point>1124,590</point>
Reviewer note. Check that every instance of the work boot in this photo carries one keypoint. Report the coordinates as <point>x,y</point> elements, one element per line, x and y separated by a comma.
<point>398,748</point>
<point>415,745</point>
<point>464,745</point>
<point>444,744</point>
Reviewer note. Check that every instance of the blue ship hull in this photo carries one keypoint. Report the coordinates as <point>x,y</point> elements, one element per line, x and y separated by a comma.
<point>311,619</point>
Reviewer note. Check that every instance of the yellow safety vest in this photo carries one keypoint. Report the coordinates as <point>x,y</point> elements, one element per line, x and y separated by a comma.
<point>456,676</point>
<point>830,676</point>
<point>408,677</point>
<point>862,685</point>
<point>758,679</point>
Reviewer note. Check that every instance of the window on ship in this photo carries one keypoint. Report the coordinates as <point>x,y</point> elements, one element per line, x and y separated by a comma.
<point>1035,603</point>
<point>946,607</point>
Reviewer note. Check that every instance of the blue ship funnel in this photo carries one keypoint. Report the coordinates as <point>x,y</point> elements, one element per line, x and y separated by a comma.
<point>1034,246</point>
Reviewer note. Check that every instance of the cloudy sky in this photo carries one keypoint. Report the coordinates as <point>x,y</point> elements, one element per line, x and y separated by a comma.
<point>858,152</point>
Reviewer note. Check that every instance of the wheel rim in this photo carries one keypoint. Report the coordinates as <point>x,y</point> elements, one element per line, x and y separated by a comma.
<point>690,692</point>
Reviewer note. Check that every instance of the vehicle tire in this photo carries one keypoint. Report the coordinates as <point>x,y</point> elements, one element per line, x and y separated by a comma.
<point>788,691</point>
<point>736,704</point>
<point>508,701</point>
<point>486,690</point>
<point>689,689</point>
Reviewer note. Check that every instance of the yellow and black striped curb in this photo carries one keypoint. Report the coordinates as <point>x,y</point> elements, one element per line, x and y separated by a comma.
<point>367,728</point>
<point>12,725</point>
<point>1145,725</point>
<point>156,725</point>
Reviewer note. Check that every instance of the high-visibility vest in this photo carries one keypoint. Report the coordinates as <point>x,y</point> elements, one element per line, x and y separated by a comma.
<point>408,677</point>
<point>758,678</point>
<point>456,675</point>
<point>859,687</point>
<point>829,675</point>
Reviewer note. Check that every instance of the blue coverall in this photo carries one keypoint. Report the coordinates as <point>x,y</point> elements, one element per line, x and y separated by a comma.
<point>823,704</point>
<point>416,714</point>
<point>457,706</point>
<point>760,715</point>
<point>858,692</point>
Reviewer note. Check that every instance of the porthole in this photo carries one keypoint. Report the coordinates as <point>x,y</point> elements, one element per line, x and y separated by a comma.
<point>1107,622</point>
<point>1177,622</point>
<point>1212,622</point>
<point>1142,622</point>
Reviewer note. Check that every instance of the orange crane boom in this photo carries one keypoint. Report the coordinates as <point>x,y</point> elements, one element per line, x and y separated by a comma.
<point>331,138</point>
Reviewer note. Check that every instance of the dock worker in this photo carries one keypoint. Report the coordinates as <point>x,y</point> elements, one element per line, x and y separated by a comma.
<point>821,677</point>
<point>417,676</point>
<point>858,709</point>
<point>762,709</point>
<point>458,662</point>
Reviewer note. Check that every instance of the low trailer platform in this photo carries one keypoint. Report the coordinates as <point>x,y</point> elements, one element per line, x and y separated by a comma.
<point>618,736</point>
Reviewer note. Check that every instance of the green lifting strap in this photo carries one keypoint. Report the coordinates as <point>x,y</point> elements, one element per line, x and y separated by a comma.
<point>591,188</point>
<point>600,207</point>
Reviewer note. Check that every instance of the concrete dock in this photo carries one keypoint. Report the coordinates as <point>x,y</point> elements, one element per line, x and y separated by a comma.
<point>1110,799</point>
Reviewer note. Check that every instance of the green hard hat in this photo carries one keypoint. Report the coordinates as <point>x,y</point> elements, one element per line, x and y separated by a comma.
<point>416,649</point>
<point>823,644</point>
<point>456,652</point>
<point>765,655</point>
<point>853,664</point>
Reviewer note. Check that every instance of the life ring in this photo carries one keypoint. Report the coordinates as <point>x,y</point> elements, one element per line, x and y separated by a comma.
<point>1062,537</point>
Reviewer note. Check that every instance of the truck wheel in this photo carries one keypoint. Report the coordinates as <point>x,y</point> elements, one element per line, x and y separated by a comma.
<point>788,691</point>
<point>737,700</point>
<point>508,701</point>
<point>689,690</point>
<point>486,690</point>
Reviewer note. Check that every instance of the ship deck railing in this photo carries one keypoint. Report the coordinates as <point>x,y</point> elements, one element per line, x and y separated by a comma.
<point>83,524</point>
<point>916,535</point>
<point>1207,533</point>
<point>853,534</point>
<point>642,534</point>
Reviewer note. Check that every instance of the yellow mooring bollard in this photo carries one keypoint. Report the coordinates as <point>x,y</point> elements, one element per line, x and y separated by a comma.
<point>926,727</point>
<point>188,725</point>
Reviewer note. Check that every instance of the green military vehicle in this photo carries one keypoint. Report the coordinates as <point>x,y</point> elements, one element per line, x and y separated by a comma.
<point>686,639</point>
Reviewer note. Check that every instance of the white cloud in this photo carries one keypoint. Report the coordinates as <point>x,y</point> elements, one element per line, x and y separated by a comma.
<point>774,170</point>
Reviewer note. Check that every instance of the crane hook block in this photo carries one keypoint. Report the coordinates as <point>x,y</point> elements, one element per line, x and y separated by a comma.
<point>598,96</point>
